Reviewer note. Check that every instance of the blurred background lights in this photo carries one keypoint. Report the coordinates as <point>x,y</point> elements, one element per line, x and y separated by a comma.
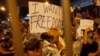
<point>2,8</point>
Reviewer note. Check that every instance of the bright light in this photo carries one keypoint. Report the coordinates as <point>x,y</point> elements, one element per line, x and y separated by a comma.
<point>46,2</point>
<point>8,19</point>
<point>2,8</point>
<point>28,15</point>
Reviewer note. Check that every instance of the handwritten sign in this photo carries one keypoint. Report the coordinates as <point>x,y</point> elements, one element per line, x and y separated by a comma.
<point>84,23</point>
<point>44,16</point>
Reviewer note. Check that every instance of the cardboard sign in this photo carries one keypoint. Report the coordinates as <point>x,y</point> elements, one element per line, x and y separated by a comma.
<point>85,23</point>
<point>44,16</point>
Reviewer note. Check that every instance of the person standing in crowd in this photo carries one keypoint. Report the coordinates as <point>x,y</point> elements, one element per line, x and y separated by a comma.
<point>6,48</point>
<point>59,41</point>
<point>32,45</point>
<point>77,46</point>
<point>49,48</point>
<point>97,6</point>
<point>33,48</point>
<point>90,46</point>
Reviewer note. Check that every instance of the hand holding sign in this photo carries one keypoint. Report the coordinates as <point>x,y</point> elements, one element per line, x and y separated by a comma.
<point>84,24</point>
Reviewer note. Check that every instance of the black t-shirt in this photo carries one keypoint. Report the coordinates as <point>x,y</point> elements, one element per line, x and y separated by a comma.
<point>89,48</point>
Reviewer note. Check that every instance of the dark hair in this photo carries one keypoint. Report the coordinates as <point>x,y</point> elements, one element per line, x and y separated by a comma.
<point>44,35</point>
<point>47,37</point>
<point>33,44</point>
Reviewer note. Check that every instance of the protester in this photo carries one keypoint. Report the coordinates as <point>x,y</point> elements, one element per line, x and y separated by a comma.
<point>6,46</point>
<point>59,41</point>
<point>90,46</point>
<point>49,48</point>
<point>32,45</point>
<point>77,46</point>
<point>33,48</point>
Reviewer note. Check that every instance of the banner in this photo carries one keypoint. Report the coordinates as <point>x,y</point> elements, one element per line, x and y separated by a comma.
<point>44,16</point>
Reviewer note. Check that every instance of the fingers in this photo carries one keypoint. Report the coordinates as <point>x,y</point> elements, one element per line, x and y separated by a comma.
<point>87,30</point>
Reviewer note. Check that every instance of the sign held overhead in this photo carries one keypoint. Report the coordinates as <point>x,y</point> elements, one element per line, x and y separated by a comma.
<point>44,16</point>
<point>85,23</point>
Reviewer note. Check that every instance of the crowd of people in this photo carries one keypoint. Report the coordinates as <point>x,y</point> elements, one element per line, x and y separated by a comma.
<point>51,43</point>
<point>88,44</point>
<point>89,12</point>
<point>6,44</point>
<point>44,44</point>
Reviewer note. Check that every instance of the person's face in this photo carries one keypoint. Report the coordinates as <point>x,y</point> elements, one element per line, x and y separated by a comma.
<point>90,37</point>
<point>38,52</point>
<point>55,35</point>
<point>90,41</point>
<point>35,52</point>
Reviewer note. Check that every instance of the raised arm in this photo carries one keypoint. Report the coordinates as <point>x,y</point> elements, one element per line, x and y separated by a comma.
<point>85,37</point>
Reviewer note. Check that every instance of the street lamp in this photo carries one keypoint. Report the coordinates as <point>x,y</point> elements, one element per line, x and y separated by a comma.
<point>2,8</point>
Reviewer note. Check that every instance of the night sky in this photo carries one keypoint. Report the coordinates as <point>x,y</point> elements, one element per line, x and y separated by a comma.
<point>24,9</point>
<point>23,5</point>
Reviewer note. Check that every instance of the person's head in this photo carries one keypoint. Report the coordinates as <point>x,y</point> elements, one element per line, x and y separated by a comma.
<point>54,33</point>
<point>35,46</point>
<point>90,36</point>
<point>45,36</point>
